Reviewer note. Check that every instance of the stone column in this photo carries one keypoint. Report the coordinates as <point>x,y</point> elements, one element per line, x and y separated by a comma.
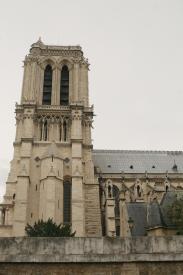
<point>71,80</point>
<point>88,133</point>
<point>18,128</point>
<point>23,94</point>
<point>77,175</point>
<point>41,81</point>
<point>76,82</point>
<point>38,84</point>
<point>26,81</point>
<point>83,85</point>
<point>21,205</point>
<point>33,81</point>
<point>124,226</point>
<point>110,217</point>
<point>23,180</point>
<point>55,99</point>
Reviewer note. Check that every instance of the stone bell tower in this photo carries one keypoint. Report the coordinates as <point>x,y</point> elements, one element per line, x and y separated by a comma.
<point>52,173</point>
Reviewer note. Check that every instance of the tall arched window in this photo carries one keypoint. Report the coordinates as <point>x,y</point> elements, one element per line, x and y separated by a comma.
<point>45,133</point>
<point>47,85</point>
<point>64,86</point>
<point>116,209</point>
<point>67,187</point>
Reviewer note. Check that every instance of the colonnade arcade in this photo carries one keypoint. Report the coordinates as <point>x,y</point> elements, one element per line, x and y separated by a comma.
<point>53,128</point>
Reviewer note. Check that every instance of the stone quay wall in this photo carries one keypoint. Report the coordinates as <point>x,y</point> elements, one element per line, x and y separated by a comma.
<point>86,256</point>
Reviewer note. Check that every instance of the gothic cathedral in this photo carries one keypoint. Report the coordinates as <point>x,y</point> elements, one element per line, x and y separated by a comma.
<point>55,173</point>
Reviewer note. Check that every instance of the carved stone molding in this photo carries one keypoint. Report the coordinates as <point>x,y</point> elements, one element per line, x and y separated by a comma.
<point>77,117</point>
<point>30,59</point>
<point>53,119</point>
<point>21,116</point>
<point>87,122</point>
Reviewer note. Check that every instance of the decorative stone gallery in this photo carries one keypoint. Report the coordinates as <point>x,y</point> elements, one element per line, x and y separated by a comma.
<point>55,173</point>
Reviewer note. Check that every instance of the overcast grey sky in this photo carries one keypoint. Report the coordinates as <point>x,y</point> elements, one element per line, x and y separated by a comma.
<point>135,48</point>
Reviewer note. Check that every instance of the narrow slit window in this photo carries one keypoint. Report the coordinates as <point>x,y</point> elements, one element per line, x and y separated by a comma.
<point>65,130</point>
<point>45,131</point>
<point>67,202</point>
<point>60,131</point>
<point>47,85</point>
<point>64,86</point>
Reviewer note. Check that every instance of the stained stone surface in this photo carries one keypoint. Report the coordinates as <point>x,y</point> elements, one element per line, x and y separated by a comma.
<point>89,256</point>
<point>91,269</point>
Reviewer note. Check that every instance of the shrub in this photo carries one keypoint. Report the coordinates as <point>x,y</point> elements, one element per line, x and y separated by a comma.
<point>49,229</point>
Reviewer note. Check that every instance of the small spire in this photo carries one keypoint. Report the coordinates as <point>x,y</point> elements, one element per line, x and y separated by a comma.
<point>39,43</point>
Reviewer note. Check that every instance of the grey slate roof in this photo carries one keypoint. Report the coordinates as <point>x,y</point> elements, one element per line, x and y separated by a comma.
<point>149,215</point>
<point>117,161</point>
<point>154,216</point>
<point>138,213</point>
<point>145,216</point>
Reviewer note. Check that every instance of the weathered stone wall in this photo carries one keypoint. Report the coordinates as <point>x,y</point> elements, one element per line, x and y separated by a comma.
<point>92,269</point>
<point>88,256</point>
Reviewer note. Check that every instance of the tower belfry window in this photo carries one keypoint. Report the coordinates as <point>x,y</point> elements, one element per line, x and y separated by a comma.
<point>64,86</point>
<point>47,85</point>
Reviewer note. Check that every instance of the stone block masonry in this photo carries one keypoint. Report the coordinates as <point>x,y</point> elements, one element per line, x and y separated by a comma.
<point>88,256</point>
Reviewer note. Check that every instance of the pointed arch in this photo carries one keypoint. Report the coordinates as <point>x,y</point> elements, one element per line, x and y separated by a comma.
<point>47,85</point>
<point>64,86</point>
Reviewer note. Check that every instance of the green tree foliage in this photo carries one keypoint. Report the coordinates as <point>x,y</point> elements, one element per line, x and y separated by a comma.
<point>48,229</point>
<point>175,214</point>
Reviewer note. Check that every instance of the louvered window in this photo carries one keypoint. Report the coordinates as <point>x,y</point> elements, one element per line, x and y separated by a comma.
<point>67,202</point>
<point>64,86</point>
<point>47,85</point>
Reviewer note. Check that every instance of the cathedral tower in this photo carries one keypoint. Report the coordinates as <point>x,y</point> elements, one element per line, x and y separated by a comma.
<point>52,173</point>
